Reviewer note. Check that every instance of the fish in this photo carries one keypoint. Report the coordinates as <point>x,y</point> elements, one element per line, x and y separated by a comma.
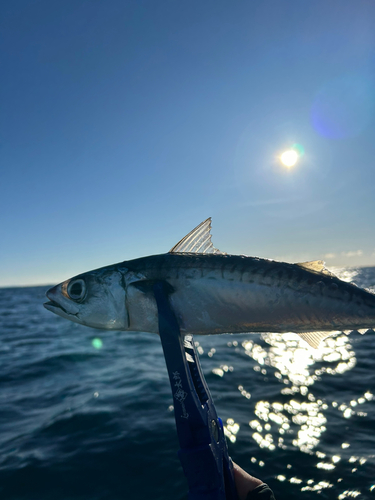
<point>212,292</point>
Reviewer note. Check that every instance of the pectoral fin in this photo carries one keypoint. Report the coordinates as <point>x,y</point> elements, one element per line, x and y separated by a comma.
<point>147,286</point>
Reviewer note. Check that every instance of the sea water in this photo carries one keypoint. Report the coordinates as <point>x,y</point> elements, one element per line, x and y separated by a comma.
<point>88,414</point>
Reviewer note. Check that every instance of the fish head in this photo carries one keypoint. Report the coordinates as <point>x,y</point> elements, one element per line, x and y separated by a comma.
<point>95,299</point>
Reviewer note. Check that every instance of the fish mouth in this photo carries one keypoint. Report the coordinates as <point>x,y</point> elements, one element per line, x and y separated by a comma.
<point>51,305</point>
<point>54,303</point>
<point>58,309</point>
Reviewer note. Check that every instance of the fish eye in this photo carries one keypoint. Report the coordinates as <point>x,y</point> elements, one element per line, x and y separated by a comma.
<point>76,289</point>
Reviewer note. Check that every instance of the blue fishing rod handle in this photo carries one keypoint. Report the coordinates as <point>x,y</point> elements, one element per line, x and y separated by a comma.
<point>209,471</point>
<point>204,454</point>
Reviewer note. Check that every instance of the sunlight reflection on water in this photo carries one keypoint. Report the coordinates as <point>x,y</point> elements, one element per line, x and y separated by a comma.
<point>292,360</point>
<point>298,417</point>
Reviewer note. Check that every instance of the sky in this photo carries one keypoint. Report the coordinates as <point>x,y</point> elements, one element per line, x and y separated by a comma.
<point>124,124</point>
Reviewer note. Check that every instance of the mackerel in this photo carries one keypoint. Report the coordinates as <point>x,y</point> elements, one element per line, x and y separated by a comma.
<point>211,292</point>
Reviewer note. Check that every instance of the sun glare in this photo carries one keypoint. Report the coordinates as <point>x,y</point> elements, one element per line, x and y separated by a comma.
<point>289,158</point>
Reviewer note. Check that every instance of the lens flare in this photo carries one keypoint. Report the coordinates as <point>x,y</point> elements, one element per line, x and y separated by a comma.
<point>344,107</point>
<point>299,149</point>
<point>97,343</point>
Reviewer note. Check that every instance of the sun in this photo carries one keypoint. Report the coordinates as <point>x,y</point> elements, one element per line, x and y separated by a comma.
<point>289,158</point>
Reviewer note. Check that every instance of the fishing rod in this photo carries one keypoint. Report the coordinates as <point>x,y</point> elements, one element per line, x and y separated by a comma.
<point>203,450</point>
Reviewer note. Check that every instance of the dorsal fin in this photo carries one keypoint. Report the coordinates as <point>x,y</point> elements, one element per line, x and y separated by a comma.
<point>197,241</point>
<point>318,266</point>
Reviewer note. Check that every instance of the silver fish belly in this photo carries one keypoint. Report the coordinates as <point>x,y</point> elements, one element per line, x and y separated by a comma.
<point>214,293</point>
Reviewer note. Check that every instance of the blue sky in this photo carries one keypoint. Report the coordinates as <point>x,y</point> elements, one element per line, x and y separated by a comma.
<point>126,123</point>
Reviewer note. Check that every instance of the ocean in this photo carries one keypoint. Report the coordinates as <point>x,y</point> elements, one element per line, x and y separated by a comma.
<point>88,414</point>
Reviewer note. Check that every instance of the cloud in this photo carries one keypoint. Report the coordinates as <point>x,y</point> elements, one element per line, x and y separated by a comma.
<point>352,253</point>
<point>329,255</point>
